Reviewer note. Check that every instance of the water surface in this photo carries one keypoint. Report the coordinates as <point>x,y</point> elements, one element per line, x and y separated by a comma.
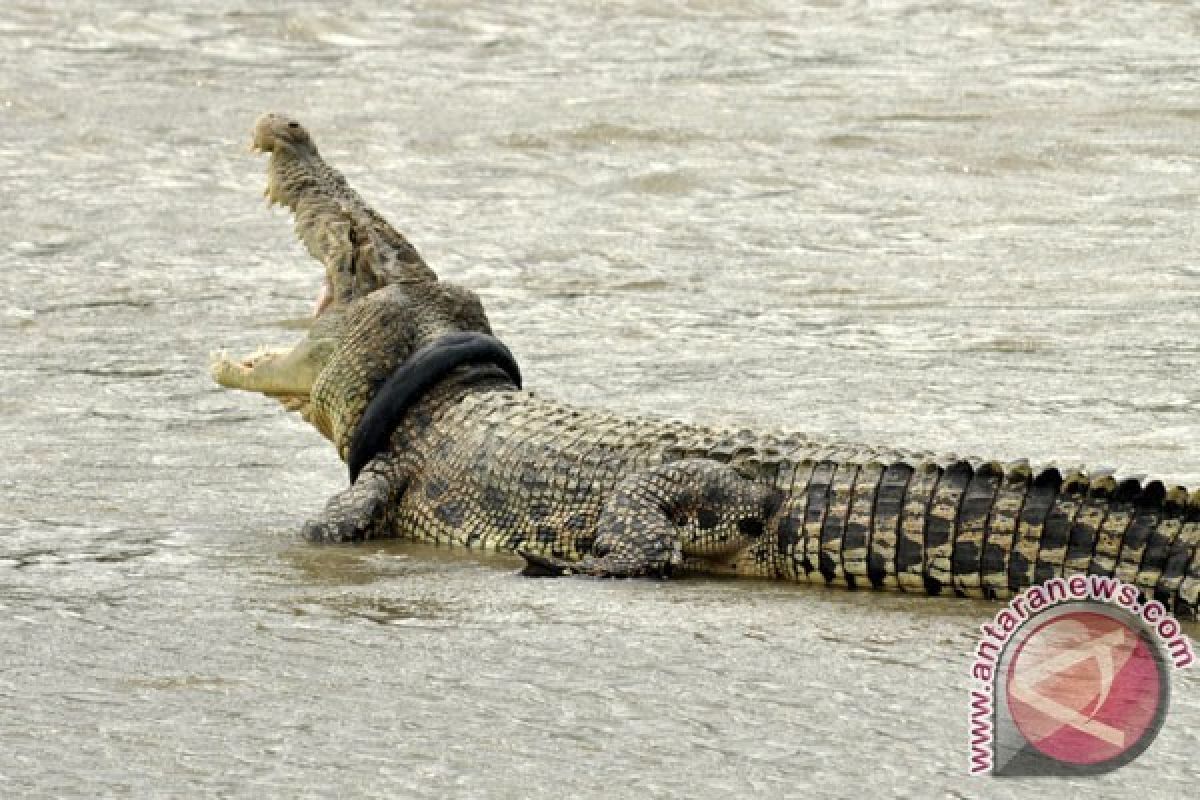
<point>963,227</point>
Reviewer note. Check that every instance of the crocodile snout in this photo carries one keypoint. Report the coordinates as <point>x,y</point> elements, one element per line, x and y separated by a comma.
<point>273,129</point>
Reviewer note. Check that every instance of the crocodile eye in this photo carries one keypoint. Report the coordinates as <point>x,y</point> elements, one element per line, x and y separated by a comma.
<point>293,124</point>
<point>750,526</point>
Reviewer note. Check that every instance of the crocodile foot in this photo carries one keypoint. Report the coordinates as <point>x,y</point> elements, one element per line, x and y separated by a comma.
<point>655,518</point>
<point>540,566</point>
<point>357,513</point>
<point>343,520</point>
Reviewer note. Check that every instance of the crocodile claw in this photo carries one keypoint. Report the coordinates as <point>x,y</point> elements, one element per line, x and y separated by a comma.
<point>539,566</point>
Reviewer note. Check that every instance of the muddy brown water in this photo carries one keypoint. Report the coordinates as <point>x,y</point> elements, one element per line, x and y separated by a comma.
<point>966,227</point>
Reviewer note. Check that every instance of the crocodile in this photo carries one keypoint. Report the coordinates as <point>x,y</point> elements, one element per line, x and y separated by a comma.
<point>458,453</point>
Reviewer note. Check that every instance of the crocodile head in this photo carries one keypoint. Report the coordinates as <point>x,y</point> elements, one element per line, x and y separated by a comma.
<point>378,300</point>
<point>359,249</point>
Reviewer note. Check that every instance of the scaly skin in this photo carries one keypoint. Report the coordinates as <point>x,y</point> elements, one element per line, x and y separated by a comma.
<point>478,463</point>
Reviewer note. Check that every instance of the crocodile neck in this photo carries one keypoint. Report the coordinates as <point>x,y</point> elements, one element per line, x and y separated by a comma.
<point>418,375</point>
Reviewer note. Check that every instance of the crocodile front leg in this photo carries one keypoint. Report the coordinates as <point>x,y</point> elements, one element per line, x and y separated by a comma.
<point>656,519</point>
<point>359,512</point>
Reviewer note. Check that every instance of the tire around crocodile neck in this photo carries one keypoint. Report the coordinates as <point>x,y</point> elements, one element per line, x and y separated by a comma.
<point>411,380</point>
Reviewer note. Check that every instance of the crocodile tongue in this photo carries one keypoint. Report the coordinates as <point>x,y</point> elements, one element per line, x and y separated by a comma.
<point>324,298</point>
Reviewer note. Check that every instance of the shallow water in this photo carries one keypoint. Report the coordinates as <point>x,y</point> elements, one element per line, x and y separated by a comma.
<point>955,227</point>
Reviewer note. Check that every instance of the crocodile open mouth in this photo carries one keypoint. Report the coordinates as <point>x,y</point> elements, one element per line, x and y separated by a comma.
<point>360,250</point>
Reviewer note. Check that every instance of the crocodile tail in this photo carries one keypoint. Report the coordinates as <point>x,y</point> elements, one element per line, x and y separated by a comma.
<point>985,529</point>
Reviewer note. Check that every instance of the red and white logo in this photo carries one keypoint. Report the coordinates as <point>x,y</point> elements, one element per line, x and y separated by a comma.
<point>1085,688</point>
<point>1072,677</point>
